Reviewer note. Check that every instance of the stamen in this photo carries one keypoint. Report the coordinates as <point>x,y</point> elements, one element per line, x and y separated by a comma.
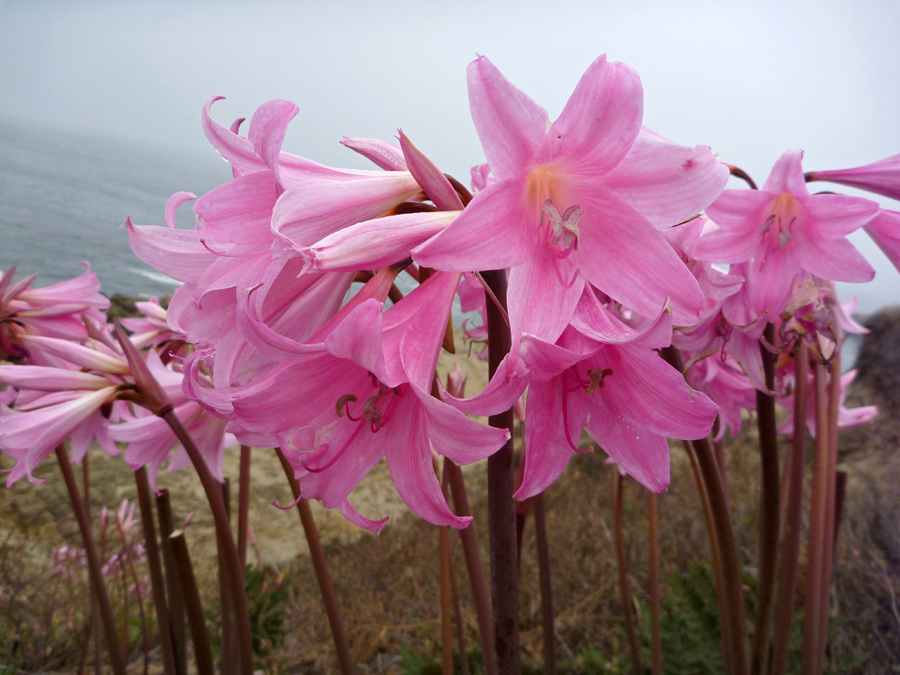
<point>289,506</point>
<point>597,376</point>
<point>565,415</point>
<point>337,456</point>
<point>342,402</point>
<point>371,411</point>
<point>383,418</point>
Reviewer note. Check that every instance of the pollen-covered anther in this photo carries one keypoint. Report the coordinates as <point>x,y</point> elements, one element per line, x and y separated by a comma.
<point>342,403</point>
<point>597,378</point>
<point>371,411</point>
<point>565,226</point>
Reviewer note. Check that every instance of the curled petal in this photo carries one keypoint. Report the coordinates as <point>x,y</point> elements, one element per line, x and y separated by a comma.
<point>386,155</point>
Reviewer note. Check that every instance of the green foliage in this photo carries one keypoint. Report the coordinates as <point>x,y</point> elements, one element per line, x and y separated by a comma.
<point>267,595</point>
<point>420,664</point>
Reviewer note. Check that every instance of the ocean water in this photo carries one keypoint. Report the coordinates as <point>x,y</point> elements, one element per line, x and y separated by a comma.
<point>64,197</point>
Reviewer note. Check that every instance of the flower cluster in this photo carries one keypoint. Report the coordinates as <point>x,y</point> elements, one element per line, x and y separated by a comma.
<point>288,329</point>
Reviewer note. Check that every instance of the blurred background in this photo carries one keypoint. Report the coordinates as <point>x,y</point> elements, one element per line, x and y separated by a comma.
<point>100,101</point>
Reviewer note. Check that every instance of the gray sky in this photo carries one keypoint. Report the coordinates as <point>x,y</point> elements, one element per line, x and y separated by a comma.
<point>750,79</point>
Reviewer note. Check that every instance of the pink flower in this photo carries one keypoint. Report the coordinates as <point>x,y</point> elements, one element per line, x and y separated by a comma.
<point>55,311</point>
<point>363,393</point>
<point>579,199</point>
<point>881,177</point>
<point>782,230</point>
<point>625,395</point>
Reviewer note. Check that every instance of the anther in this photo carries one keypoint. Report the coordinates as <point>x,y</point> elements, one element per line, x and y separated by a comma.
<point>596,378</point>
<point>342,402</point>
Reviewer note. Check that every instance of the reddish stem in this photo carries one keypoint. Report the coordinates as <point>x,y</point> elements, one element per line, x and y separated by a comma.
<point>320,565</point>
<point>113,646</point>
<point>243,505</point>
<point>193,605</point>
<point>813,640</point>
<point>477,579</point>
<point>789,561</point>
<point>232,567</point>
<point>156,574</point>
<point>769,508</point>
<point>501,485</point>
<point>624,592</point>
<point>655,599</point>
<point>173,585</point>
<point>737,659</point>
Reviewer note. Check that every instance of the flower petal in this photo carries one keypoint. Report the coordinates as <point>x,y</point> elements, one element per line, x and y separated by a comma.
<point>641,454</point>
<point>377,243</point>
<point>426,173</point>
<point>787,175</point>
<point>600,122</point>
<point>667,183</point>
<point>509,124</point>
<point>409,461</point>
<point>386,155</point>
<point>539,302</point>
<point>625,257</point>
<point>314,208</point>
<point>495,231</point>
<point>547,448</point>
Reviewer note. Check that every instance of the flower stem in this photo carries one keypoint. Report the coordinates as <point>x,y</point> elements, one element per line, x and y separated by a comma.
<point>715,554</point>
<point>546,582</point>
<point>655,599</point>
<point>789,561</point>
<point>320,565</point>
<point>477,580</point>
<point>737,659</point>
<point>113,646</point>
<point>501,485</point>
<point>156,575</point>
<point>243,505</point>
<point>624,593</point>
<point>193,605</point>
<point>813,640</point>
<point>173,585</point>
<point>769,508</point>
<point>232,569</point>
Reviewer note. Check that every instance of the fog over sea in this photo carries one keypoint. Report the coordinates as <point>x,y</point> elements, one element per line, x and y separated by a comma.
<point>64,197</point>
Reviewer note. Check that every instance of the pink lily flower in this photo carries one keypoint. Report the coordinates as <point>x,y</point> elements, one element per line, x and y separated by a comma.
<point>727,386</point>
<point>71,408</point>
<point>882,177</point>
<point>579,199</point>
<point>364,394</point>
<point>55,311</point>
<point>782,230</point>
<point>626,397</point>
